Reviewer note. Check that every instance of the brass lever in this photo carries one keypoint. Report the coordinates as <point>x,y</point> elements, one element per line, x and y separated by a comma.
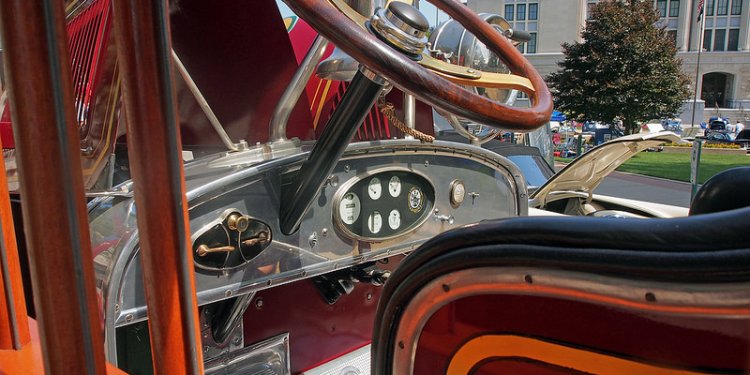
<point>204,250</point>
<point>261,237</point>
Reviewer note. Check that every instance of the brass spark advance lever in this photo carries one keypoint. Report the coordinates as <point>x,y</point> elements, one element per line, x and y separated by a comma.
<point>204,250</point>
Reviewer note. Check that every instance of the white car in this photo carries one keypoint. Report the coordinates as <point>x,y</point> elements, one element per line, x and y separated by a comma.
<point>570,191</point>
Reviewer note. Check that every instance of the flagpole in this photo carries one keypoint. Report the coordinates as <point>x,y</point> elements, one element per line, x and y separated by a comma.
<point>702,21</point>
<point>697,143</point>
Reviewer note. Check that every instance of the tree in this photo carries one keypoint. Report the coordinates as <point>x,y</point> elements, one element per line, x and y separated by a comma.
<point>625,68</point>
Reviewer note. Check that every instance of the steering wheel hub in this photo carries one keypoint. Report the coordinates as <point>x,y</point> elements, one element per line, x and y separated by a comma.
<point>402,26</point>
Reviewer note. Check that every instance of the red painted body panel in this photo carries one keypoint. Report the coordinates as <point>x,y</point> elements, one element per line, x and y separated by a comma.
<point>6,132</point>
<point>669,340</point>
<point>240,57</point>
<point>318,332</point>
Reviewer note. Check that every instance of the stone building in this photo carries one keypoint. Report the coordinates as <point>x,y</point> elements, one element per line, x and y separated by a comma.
<point>724,76</point>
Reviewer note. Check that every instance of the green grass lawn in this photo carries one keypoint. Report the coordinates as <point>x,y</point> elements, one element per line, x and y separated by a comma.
<point>677,166</point>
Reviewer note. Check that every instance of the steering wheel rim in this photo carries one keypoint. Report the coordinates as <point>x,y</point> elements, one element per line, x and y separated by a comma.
<point>428,86</point>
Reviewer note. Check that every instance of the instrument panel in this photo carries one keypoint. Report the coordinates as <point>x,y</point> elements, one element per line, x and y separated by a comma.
<point>382,199</point>
<point>383,205</point>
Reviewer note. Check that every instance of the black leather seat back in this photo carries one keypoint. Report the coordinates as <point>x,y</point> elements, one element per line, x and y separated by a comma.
<point>522,295</point>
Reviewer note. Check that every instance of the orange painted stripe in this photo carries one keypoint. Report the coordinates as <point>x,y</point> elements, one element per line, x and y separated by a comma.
<point>320,104</point>
<point>317,90</point>
<point>492,346</point>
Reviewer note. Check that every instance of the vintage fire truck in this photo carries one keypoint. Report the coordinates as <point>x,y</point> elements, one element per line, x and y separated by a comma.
<point>187,190</point>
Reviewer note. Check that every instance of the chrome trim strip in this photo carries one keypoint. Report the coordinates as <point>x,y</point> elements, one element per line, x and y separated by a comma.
<point>278,344</point>
<point>508,280</point>
<point>290,97</point>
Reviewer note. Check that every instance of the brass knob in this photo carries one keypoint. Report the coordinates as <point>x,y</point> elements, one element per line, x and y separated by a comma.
<point>238,222</point>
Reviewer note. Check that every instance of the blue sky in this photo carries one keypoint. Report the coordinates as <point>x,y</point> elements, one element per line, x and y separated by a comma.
<point>428,9</point>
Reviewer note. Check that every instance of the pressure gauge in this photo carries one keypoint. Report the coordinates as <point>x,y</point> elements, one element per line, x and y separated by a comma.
<point>394,219</point>
<point>375,222</point>
<point>349,208</point>
<point>458,193</point>
<point>394,186</point>
<point>374,189</point>
<point>416,199</point>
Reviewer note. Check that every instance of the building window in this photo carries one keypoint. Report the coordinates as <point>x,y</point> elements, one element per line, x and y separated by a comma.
<point>707,40</point>
<point>672,35</point>
<point>661,6</point>
<point>674,8</point>
<point>710,7</point>
<point>534,9</point>
<point>531,44</point>
<point>736,7</point>
<point>520,12</point>
<point>733,41</point>
<point>722,7</point>
<point>509,12</point>
<point>719,36</point>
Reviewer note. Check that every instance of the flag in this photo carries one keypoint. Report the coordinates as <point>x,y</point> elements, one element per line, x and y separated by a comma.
<point>700,10</point>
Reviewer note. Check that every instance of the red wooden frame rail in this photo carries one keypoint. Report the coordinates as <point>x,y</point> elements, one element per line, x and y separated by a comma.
<point>143,46</point>
<point>54,209</point>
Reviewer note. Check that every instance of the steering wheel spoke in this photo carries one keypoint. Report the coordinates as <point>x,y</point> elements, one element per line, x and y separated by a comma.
<point>477,78</point>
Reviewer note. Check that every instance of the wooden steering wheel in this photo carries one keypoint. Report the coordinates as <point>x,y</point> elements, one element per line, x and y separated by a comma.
<point>433,81</point>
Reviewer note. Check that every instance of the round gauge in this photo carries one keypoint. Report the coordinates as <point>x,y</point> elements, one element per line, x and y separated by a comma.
<point>416,199</point>
<point>375,222</point>
<point>374,189</point>
<point>349,208</point>
<point>458,193</point>
<point>394,219</point>
<point>394,186</point>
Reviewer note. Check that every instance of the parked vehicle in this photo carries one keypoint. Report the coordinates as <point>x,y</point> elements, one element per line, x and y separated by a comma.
<point>743,139</point>
<point>672,124</point>
<point>567,192</point>
<point>716,125</point>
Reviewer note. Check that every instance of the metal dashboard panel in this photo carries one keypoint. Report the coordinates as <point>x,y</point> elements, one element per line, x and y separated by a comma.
<point>494,189</point>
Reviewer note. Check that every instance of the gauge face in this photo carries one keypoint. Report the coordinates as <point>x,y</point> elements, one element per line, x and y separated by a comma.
<point>458,193</point>
<point>349,208</point>
<point>374,188</point>
<point>394,219</point>
<point>394,186</point>
<point>416,199</point>
<point>375,222</point>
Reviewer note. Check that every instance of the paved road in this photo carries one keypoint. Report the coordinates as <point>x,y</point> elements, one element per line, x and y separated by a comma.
<point>627,185</point>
